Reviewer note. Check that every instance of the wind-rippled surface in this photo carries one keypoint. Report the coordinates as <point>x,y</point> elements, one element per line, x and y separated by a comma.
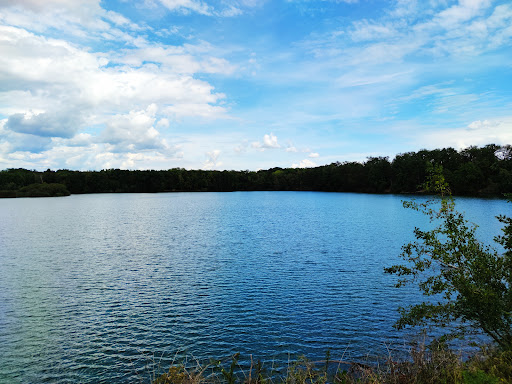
<point>109,288</point>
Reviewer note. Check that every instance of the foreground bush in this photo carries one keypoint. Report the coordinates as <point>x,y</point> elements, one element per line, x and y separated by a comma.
<point>467,285</point>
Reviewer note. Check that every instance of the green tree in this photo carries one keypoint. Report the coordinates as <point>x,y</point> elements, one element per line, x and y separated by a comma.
<point>469,284</point>
<point>378,174</point>
<point>435,181</point>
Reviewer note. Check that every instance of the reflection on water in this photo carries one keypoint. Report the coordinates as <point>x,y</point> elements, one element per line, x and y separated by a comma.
<point>109,287</point>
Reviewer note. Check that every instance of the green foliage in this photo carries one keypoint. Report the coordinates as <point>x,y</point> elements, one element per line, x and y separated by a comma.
<point>379,174</point>
<point>43,190</point>
<point>436,182</point>
<point>177,374</point>
<point>472,171</point>
<point>469,284</point>
<point>439,364</point>
<point>230,374</point>
<point>14,179</point>
<point>7,193</point>
<point>424,365</point>
<point>478,377</point>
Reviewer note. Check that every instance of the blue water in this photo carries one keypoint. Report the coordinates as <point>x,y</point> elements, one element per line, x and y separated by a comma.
<point>111,288</point>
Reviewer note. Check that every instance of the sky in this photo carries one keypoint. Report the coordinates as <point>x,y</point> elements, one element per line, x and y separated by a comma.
<point>248,84</point>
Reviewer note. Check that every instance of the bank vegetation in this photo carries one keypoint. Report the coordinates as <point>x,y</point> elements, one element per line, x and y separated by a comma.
<point>474,171</point>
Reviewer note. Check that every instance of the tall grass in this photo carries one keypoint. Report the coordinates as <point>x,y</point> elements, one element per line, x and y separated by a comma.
<point>425,365</point>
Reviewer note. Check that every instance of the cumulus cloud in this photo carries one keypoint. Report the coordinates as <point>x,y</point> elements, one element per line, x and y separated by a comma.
<point>33,62</point>
<point>62,154</point>
<point>483,125</point>
<point>13,142</point>
<point>55,69</point>
<point>79,140</point>
<point>44,124</point>
<point>163,123</point>
<point>70,88</point>
<point>134,131</point>
<point>27,143</point>
<point>212,159</point>
<point>269,142</point>
<point>208,111</point>
<point>80,19</point>
<point>37,5</point>
<point>479,132</point>
<point>63,56</point>
<point>306,163</point>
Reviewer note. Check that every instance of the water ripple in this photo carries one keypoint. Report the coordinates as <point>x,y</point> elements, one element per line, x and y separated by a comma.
<point>112,288</point>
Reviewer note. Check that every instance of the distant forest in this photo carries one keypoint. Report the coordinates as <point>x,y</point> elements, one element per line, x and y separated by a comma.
<point>475,171</point>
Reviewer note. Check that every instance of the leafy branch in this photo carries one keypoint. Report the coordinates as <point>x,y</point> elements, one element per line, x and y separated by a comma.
<point>470,284</point>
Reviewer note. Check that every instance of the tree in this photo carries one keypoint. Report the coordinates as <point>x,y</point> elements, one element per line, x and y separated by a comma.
<point>378,174</point>
<point>469,284</point>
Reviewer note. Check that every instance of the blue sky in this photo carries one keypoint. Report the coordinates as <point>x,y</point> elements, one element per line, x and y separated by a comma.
<point>248,84</point>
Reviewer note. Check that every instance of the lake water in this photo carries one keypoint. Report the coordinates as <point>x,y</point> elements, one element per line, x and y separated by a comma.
<point>111,287</point>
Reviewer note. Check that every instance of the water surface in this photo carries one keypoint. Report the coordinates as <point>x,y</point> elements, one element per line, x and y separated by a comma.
<point>108,288</point>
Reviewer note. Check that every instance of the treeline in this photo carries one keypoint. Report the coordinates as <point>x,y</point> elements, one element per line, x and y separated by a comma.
<point>476,171</point>
<point>37,190</point>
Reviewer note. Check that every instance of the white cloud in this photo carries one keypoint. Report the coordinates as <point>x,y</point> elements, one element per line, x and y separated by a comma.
<point>75,6</point>
<point>186,6</point>
<point>81,19</point>
<point>163,123</point>
<point>13,142</point>
<point>465,10</point>
<point>257,145</point>
<point>134,131</point>
<point>416,29</point>
<point>212,160</point>
<point>482,125</point>
<point>206,111</point>
<point>68,88</point>
<point>242,147</point>
<point>81,98</point>
<point>306,163</point>
<point>30,60</point>
<point>121,21</point>
<point>93,156</point>
<point>231,11</point>
<point>367,31</point>
<point>181,59</point>
<point>225,8</point>
<point>269,142</point>
<point>27,143</point>
<point>479,132</point>
<point>79,140</point>
<point>313,155</point>
<point>44,124</point>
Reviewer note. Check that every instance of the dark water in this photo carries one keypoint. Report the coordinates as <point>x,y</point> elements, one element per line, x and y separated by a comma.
<point>109,288</point>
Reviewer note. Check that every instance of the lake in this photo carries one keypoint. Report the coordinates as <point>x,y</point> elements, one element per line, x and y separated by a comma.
<point>112,287</point>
